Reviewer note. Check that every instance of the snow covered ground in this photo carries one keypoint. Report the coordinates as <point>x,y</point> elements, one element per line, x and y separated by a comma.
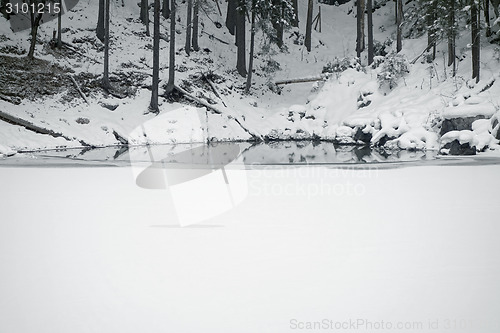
<point>86,250</point>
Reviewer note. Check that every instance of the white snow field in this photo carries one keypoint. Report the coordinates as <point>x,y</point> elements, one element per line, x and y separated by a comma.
<point>412,249</point>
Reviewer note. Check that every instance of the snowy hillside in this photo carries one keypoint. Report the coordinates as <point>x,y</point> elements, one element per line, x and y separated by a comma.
<point>349,106</point>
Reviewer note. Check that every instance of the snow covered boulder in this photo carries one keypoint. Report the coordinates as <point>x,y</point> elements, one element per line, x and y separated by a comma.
<point>459,124</point>
<point>459,143</point>
<point>418,139</point>
<point>344,135</point>
<point>363,135</point>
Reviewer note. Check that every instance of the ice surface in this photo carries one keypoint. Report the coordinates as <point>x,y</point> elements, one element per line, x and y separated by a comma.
<point>85,250</point>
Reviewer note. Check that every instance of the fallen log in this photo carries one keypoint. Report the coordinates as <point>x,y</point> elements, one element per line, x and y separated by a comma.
<point>302,80</point>
<point>427,48</point>
<point>13,100</point>
<point>197,100</point>
<point>217,111</point>
<point>74,49</point>
<point>213,88</point>
<point>79,90</point>
<point>211,36</point>
<point>34,128</point>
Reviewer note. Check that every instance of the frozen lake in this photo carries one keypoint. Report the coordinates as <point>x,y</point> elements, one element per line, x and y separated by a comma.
<point>276,247</point>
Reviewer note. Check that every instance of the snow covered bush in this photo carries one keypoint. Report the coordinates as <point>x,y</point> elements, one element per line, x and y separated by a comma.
<point>379,48</point>
<point>337,66</point>
<point>394,68</point>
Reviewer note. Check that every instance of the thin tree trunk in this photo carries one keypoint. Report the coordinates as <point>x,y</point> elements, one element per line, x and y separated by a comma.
<point>396,11</point>
<point>35,23</point>
<point>59,24</point>
<point>295,21</point>
<point>165,11</point>
<point>370,31</point>
<point>240,39</point>
<point>156,58</point>
<point>105,79</point>
<point>231,16</point>
<point>475,41</point>
<point>252,47</point>
<point>145,15</point>
<point>171,65</point>
<point>451,36</point>
<point>308,41</point>
<point>399,42</point>
<point>100,22</point>
<point>359,27</point>
<point>276,19</point>
<point>189,22</point>
<point>487,17</point>
<point>363,46</point>
<point>196,16</point>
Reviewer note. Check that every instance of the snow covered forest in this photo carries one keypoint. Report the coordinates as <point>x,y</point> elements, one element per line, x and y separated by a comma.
<point>396,75</point>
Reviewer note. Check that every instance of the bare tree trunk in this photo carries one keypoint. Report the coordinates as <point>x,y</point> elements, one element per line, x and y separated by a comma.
<point>165,11</point>
<point>231,16</point>
<point>100,22</point>
<point>156,58</point>
<point>145,15</point>
<point>370,31</point>
<point>399,42</point>
<point>277,23</point>
<point>35,23</point>
<point>395,11</point>
<point>189,22</point>
<point>196,16</point>
<point>363,46</point>
<point>451,36</point>
<point>487,17</point>
<point>360,14</point>
<point>475,27</point>
<point>105,79</point>
<point>240,39</point>
<point>171,65</point>
<point>59,24</point>
<point>308,41</point>
<point>295,21</point>
<point>252,47</point>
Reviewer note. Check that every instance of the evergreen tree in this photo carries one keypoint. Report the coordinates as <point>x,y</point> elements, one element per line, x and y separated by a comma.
<point>240,38</point>
<point>171,65</point>
<point>308,38</point>
<point>105,79</point>
<point>100,22</point>
<point>189,21</point>
<point>144,15</point>
<point>156,58</point>
<point>369,8</point>
<point>196,16</point>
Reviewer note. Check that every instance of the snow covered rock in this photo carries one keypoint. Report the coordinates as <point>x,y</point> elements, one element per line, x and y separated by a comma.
<point>418,139</point>
<point>363,135</point>
<point>459,143</point>
<point>344,135</point>
<point>459,124</point>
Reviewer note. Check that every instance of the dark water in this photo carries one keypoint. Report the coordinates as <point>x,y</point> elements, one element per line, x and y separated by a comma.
<point>248,154</point>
